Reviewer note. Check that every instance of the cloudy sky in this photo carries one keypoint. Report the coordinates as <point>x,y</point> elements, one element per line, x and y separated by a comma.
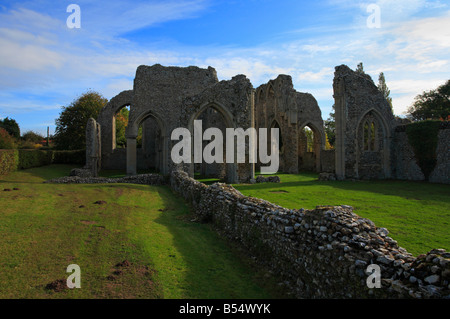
<point>44,64</point>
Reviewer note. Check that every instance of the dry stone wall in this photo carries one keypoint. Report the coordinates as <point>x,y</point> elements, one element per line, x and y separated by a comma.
<point>320,253</point>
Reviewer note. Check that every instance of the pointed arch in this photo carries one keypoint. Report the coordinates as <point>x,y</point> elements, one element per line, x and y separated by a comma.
<point>372,142</point>
<point>231,168</point>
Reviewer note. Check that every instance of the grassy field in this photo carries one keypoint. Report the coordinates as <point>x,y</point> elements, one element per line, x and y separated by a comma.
<point>130,241</point>
<point>417,214</point>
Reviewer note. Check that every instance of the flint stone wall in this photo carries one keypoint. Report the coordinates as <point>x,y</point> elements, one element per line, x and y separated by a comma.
<point>405,163</point>
<point>441,172</point>
<point>320,253</point>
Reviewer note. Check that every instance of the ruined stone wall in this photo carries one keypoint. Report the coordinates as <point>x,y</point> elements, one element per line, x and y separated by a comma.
<point>441,173</point>
<point>358,104</point>
<point>320,253</point>
<point>405,164</point>
<point>328,161</point>
<point>278,102</point>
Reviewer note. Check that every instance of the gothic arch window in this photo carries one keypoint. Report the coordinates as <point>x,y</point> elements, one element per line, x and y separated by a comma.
<point>370,134</point>
<point>280,137</point>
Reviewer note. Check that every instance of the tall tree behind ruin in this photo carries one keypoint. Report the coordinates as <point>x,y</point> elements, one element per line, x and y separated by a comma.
<point>384,89</point>
<point>329,125</point>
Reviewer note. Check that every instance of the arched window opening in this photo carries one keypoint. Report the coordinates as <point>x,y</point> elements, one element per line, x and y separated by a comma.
<point>121,123</point>
<point>309,143</point>
<point>370,135</point>
<point>309,139</point>
<point>212,118</point>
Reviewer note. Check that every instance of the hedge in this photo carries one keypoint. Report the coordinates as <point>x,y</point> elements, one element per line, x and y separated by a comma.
<point>11,160</point>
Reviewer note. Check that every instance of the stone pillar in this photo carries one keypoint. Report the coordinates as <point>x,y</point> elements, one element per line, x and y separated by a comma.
<point>93,147</point>
<point>131,156</point>
<point>339,107</point>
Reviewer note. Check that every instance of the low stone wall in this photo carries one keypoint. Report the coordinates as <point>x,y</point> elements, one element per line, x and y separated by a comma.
<point>146,179</point>
<point>320,253</point>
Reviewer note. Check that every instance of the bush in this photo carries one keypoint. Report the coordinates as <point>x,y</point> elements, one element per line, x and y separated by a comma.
<point>6,140</point>
<point>9,160</point>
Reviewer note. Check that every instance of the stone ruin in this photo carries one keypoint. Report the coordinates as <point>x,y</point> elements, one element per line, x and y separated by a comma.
<point>369,143</point>
<point>320,253</point>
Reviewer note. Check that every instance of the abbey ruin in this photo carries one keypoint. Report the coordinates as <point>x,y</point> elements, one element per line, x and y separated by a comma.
<point>319,253</point>
<point>370,142</point>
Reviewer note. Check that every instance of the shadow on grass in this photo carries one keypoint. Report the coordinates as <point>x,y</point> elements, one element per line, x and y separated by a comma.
<point>215,269</point>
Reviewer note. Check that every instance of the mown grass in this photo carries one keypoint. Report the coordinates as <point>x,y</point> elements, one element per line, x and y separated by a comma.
<point>46,227</point>
<point>417,214</point>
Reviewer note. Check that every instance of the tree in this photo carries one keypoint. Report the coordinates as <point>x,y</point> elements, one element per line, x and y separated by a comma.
<point>360,68</point>
<point>6,140</point>
<point>70,132</point>
<point>121,124</point>
<point>382,87</point>
<point>330,125</point>
<point>434,104</point>
<point>11,126</point>
<point>34,137</point>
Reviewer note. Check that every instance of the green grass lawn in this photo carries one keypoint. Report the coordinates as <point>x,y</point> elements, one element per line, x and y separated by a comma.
<point>46,227</point>
<point>417,214</point>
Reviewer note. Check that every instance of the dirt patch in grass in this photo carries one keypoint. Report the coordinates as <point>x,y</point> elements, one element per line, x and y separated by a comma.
<point>87,222</point>
<point>281,191</point>
<point>57,285</point>
<point>125,277</point>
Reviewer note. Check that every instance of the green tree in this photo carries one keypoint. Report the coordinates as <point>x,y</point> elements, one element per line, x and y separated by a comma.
<point>330,126</point>
<point>11,126</point>
<point>383,88</point>
<point>434,104</point>
<point>360,68</point>
<point>70,132</point>
<point>34,137</point>
<point>121,125</point>
<point>6,140</point>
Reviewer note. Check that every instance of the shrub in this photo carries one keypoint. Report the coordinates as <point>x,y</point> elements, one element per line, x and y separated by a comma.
<point>9,160</point>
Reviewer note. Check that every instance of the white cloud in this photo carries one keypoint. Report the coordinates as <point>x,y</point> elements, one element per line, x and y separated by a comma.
<point>118,17</point>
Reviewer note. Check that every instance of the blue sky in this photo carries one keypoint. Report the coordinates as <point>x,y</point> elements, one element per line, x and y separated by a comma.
<point>45,65</point>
